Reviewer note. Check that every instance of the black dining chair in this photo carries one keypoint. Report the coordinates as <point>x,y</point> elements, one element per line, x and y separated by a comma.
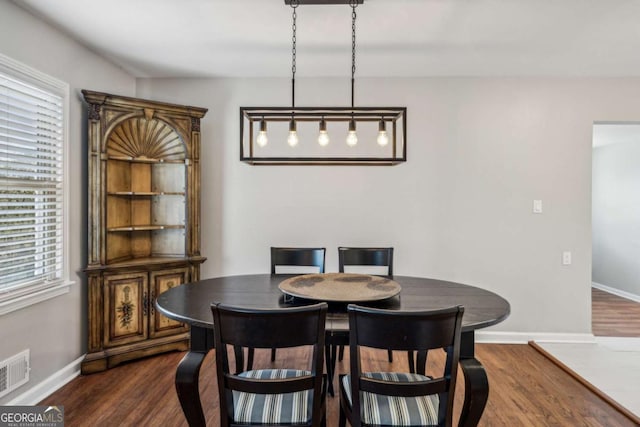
<point>309,260</point>
<point>303,260</point>
<point>292,260</point>
<point>378,257</point>
<point>369,257</point>
<point>291,396</point>
<point>400,398</point>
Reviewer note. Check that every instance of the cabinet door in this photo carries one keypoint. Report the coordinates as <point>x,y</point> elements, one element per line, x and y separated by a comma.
<point>126,308</point>
<point>160,282</point>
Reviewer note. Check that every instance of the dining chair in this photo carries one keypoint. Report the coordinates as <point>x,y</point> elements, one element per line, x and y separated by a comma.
<point>297,260</point>
<point>377,261</point>
<point>400,398</point>
<point>284,396</point>
<point>291,261</point>
<point>369,258</point>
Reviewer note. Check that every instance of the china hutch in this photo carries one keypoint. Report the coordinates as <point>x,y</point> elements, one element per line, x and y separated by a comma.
<point>143,223</point>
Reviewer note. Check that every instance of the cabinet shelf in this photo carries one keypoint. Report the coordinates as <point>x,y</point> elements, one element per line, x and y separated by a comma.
<point>146,193</point>
<point>146,227</point>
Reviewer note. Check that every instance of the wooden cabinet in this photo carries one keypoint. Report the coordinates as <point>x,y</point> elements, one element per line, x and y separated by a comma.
<point>143,223</point>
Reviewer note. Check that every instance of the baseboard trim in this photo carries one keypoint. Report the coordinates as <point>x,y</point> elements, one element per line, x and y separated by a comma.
<point>45,388</point>
<point>617,292</point>
<point>493,337</point>
<point>602,395</point>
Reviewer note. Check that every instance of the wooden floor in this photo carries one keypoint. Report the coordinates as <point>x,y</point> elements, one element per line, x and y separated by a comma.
<point>613,316</point>
<point>526,389</point>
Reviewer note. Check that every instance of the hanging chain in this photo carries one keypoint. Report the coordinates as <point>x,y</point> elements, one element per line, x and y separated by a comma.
<point>353,4</point>
<point>294,16</point>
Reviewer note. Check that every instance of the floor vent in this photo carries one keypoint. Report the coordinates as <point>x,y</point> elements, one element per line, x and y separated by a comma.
<point>14,372</point>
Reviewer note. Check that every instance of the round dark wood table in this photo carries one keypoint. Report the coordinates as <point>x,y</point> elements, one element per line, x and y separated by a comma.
<point>191,303</point>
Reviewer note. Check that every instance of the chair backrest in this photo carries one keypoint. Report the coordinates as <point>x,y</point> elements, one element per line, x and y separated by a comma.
<point>403,330</point>
<point>273,328</point>
<point>285,258</point>
<point>382,257</point>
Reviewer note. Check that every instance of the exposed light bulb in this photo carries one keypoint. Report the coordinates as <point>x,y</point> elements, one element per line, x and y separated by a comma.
<point>323,136</point>
<point>352,137</point>
<point>383,138</point>
<point>262,139</point>
<point>292,139</point>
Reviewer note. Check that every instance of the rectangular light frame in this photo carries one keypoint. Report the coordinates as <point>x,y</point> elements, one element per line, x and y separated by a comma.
<point>394,117</point>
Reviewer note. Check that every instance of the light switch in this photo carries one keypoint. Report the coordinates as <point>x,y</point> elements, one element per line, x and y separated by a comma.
<point>537,206</point>
<point>566,258</point>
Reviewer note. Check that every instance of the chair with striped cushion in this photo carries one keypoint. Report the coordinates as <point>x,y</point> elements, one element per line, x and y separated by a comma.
<point>294,261</point>
<point>290,261</point>
<point>399,398</point>
<point>378,261</point>
<point>283,396</point>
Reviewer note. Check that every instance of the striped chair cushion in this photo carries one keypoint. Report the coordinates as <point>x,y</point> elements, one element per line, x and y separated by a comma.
<point>395,411</point>
<point>287,408</point>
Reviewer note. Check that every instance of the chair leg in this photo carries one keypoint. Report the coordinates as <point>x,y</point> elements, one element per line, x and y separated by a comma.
<point>331,357</point>
<point>273,354</point>
<point>341,353</point>
<point>250,353</point>
<point>390,354</point>
<point>329,366</point>
<point>412,364</point>
<point>343,418</point>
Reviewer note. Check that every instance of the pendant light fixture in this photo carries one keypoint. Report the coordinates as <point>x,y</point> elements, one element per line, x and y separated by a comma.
<point>356,149</point>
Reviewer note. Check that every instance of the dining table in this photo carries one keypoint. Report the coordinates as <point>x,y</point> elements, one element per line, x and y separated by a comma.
<point>191,303</point>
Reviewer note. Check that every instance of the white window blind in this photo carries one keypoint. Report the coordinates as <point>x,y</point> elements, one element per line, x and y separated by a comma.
<point>31,185</point>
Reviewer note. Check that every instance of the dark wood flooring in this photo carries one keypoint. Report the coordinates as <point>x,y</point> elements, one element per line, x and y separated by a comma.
<point>614,316</point>
<point>526,389</point>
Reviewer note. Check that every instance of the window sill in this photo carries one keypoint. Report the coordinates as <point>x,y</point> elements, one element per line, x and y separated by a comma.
<point>19,302</point>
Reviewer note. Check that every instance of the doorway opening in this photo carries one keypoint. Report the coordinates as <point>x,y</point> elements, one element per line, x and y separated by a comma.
<point>616,229</point>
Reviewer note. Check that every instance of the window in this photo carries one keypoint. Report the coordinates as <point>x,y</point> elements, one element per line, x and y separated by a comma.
<point>33,109</point>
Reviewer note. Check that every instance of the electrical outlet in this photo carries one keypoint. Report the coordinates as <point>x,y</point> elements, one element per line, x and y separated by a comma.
<point>566,258</point>
<point>537,206</point>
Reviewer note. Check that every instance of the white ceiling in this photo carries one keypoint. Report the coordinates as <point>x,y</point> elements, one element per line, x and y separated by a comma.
<point>205,38</point>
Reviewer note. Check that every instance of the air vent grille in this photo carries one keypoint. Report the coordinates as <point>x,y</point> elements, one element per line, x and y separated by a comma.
<point>14,372</point>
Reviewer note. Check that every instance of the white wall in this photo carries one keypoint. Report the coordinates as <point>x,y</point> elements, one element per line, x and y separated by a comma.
<point>616,216</point>
<point>56,330</point>
<point>479,151</point>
